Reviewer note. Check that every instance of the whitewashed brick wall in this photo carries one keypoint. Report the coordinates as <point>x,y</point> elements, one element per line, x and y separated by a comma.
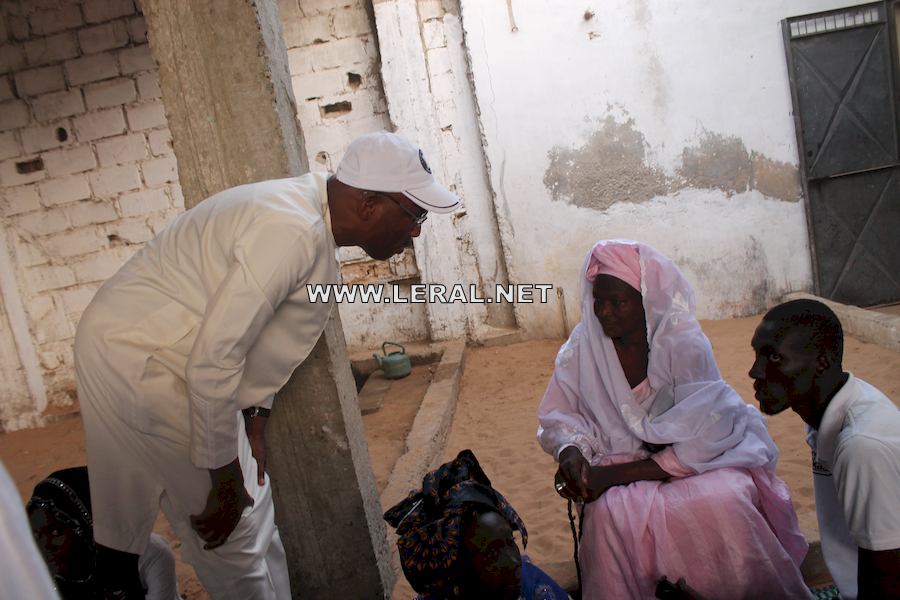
<point>79,91</point>
<point>336,75</point>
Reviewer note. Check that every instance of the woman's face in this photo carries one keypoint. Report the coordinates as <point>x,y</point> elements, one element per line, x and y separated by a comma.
<point>619,307</point>
<point>67,555</point>
<point>493,559</point>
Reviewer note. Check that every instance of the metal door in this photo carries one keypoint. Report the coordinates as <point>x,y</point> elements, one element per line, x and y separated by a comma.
<point>842,67</point>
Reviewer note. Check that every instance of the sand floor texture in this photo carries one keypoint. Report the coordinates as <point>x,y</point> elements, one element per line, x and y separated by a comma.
<point>496,418</point>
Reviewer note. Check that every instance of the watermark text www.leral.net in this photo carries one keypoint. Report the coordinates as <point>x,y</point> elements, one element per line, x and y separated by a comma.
<point>428,293</point>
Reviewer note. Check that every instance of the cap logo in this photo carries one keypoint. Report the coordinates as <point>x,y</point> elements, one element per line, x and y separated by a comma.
<point>424,164</point>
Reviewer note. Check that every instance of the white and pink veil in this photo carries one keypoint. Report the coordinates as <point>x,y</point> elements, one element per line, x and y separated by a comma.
<point>589,402</point>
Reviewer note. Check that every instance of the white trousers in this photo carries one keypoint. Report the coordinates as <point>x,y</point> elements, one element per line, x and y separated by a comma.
<point>133,475</point>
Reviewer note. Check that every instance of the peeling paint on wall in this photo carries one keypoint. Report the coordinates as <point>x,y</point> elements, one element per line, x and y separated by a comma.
<point>612,167</point>
<point>716,162</point>
<point>774,178</point>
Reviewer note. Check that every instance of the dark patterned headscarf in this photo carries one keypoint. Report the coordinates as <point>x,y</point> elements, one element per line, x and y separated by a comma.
<point>67,490</point>
<point>429,522</point>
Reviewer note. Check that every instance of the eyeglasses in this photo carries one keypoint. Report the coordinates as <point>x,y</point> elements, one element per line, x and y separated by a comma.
<point>416,219</point>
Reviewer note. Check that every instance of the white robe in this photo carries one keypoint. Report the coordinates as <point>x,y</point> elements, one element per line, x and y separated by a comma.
<point>210,317</point>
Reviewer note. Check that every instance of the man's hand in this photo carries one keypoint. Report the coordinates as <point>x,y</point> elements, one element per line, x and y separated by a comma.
<point>256,432</point>
<point>224,505</point>
<point>574,472</point>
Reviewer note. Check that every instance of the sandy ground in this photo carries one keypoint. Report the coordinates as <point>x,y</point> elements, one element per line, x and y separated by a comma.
<point>495,417</point>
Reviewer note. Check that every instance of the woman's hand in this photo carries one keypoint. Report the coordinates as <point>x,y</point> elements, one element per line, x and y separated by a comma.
<point>573,473</point>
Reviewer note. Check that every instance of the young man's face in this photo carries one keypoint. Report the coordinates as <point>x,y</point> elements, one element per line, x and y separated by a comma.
<point>785,370</point>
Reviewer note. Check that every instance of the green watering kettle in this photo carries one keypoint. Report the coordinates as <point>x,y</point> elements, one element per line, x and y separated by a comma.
<point>395,365</point>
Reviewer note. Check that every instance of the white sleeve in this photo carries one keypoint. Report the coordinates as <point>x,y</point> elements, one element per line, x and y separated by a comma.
<point>157,570</point>
<point>267,265</point>
<point>23,572</point>
<point>867,477</point>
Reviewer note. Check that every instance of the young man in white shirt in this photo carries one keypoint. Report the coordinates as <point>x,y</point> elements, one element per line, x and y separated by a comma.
<point>211,318</point>
<point>854,432</point>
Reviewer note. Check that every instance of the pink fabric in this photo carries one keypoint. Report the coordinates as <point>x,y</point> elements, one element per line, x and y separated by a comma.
<point>718,530</point>
<point>727,525</point>
<point>620,261</point>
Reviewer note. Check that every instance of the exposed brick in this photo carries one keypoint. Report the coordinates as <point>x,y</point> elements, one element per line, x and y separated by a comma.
<point>338,53</point>
<point>160,142</point>
<point>103,37</point>
<point>46,22</point>
<point>69,160</point>
<point>100,124</point>
<point>110,93</point>
<point>91,213</point>
<point>143,202</point>
<point>160,220</point>
<point>300,60</point>
<point>148,85</point>
<point>13,114</point>
<point>96,11</point>
<point>137,28</point>
<point>28,253</point>
<point>439,61</point>
<point>429,9</point>
<point>433,35</point>
<point>19,200</point>
<point>91,68</point>
<point>58,354</point>
<point>51,49</point>
<point>57,105</point>
<point>12,57</point>
<point>351,21</point>
<point>6,92</point>
<point>45,222</point>
<point>45,137</point>
<point>146,116</point>
<point>312,7</point>
<point>160,171</point>
<point>319,83</point>
<point>138,58</point>
<point>130,231</point>
<point>314,30</point>
<point>10,176</point>
<point>41,279</point>
<point>76,243</point>
<point>48,315</point>
<point>17,27</point>
<point>76,299</point>
<point>9,145</point>
<point>177,195</point>
<point>110,181</point>
<point>39,81</point>
<point>123,149</point>
<point>65,189</point>
<point>100,266</point>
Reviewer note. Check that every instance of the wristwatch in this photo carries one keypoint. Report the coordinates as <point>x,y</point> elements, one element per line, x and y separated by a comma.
<point>256,411</point>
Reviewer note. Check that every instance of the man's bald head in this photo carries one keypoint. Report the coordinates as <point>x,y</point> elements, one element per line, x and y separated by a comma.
<point>814,322</point>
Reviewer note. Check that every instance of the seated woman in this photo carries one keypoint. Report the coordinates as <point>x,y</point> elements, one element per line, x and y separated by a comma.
<point>678,473</point>
<point>455,538</point>
<point>60,514</point>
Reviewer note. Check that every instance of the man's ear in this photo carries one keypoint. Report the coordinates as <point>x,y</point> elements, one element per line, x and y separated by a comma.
<point>823,363</point>
<point>367,206</point>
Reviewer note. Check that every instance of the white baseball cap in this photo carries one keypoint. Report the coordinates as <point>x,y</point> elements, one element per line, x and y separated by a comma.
<point>386,162</point>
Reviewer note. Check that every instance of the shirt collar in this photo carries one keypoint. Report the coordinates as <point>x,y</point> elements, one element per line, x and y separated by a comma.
<point>833,421</point>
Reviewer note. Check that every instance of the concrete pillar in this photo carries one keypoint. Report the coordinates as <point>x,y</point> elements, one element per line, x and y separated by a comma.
<point>227,92</point>
<point>411,107</point>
